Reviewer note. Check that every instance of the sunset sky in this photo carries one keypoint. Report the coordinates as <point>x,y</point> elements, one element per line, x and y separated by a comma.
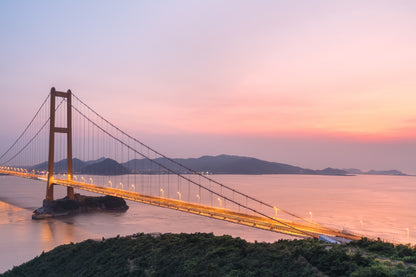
<point>309,83</point>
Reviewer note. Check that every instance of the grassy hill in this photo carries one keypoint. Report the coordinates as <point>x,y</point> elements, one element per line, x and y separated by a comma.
<point>208,255</point>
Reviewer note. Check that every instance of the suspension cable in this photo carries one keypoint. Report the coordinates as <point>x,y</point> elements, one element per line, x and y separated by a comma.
<point>187,179</point>
<point>27,144</point>
<point>172,160</point>
<point>27,127</point>
<point>191,170</point>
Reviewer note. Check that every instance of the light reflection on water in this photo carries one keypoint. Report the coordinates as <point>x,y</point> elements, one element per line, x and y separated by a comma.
<point>377,206</point>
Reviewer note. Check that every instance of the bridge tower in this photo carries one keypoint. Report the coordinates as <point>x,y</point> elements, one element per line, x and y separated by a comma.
<point>66,130</point>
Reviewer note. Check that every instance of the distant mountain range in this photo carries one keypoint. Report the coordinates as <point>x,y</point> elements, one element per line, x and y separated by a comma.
<point>222,164</point>
<point>376,172</point>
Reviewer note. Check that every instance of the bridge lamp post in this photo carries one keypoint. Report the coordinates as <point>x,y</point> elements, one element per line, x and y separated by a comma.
<point>91,181</point>
<point>408,237</point>
<point>275,210</point>
<point>83,179</point>
<point>179,195</point>
<point>110,183</point>
<point>199,198</point>
<point>219,200</point>
<point>310,213</point>
<point>163,192</point>
<point>133,187</point>
<point>121,184</point>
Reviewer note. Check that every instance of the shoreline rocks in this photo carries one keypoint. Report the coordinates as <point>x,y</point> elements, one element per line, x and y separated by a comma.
<point>81,204</point>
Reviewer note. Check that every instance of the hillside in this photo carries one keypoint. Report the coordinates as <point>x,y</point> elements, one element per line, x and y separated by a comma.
<point>226,164</point>
<point>221,164</point>
<point>392,172</point>
<point>60,166</point>
<point>102,166</point>
<point>208,255</point>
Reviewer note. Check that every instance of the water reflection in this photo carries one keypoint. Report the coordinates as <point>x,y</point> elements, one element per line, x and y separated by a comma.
<point>10,213</point>
<point>54,232</point>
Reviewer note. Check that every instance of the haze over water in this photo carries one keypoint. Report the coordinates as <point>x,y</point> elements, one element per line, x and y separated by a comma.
<point>376,206</point>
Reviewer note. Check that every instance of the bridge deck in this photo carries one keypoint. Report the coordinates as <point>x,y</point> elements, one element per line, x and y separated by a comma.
<point>294,228</point>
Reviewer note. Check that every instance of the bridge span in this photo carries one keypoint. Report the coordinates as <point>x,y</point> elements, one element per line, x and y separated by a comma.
<point>76,130</point>
<point>279,225</point>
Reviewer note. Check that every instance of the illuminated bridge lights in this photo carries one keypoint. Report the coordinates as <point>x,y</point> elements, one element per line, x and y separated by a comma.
<point>300,229</point>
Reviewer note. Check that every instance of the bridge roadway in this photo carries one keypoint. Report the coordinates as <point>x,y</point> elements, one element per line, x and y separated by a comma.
<point>293,228</point>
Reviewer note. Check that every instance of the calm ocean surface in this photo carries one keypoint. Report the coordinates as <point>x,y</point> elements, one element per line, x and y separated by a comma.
<point>376,206</point>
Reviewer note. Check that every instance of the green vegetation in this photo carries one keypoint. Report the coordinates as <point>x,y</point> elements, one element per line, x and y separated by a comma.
<point>208,255</point>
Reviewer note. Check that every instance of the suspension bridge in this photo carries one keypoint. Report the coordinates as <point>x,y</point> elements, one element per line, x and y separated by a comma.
<point>83,150</point>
